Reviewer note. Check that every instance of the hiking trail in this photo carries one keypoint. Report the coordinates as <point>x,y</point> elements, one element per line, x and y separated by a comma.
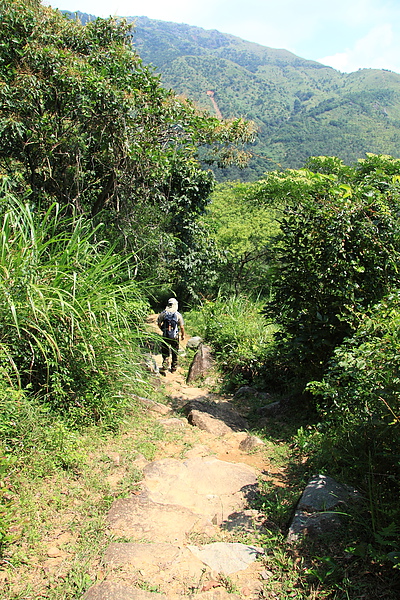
<point>190,530</point>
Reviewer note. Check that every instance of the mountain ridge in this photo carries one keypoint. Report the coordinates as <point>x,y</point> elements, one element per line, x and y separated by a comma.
<point>301,107</point>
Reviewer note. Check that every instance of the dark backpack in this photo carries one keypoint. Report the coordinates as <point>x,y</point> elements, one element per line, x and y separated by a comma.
<point>170,325</point>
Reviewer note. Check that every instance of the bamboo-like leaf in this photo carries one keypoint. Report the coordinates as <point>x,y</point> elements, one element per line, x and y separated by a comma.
<point>64,296</point>
<point>14,367</point>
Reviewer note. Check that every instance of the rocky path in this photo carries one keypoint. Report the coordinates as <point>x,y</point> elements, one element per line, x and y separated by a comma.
<point>190,530</point>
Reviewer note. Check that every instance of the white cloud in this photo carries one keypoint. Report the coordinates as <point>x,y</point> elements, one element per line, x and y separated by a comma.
<point>378,49</point>
<point>339,61</point>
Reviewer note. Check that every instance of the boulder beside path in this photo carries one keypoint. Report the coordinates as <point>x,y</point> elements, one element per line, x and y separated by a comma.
<point>317,511</point>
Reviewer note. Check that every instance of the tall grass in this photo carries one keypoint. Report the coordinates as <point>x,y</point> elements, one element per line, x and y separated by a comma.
<point>69,315</point>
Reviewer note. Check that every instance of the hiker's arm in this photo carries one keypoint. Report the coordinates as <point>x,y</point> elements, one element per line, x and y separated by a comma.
<point>181,326</point>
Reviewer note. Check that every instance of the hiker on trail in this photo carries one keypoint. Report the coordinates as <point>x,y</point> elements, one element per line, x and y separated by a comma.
<point>170,321</point>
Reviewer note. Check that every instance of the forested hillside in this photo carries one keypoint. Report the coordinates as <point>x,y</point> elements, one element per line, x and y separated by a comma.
<point>301,108</point>
<point>106,210</point>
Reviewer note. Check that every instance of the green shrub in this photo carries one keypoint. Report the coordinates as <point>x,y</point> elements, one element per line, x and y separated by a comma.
<point>362,384</point>
<point>359,401</point>
<point>27,429</point>
<point>337,256</point>
<point>237,331</point>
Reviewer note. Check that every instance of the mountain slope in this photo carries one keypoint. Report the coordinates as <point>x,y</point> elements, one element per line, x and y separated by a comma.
<point>301,107</point>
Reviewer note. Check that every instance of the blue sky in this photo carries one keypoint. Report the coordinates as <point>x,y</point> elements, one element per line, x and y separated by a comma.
<point>345,34</point>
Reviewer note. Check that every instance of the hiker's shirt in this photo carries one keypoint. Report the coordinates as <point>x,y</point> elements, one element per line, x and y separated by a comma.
<point>179,317</point>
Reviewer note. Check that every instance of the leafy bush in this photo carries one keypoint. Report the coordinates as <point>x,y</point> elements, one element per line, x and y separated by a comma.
<point>28,429</point>
<point>362,383</point>
<point>359,399</point>
<point>338,254</point>
<point>237,331</point>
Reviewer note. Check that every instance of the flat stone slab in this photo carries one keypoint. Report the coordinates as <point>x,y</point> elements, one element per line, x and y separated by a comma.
<point>166,566</point>
<point>141,555</point>
<point>246,521</point>
<point>108,590</point>
<point>119,591</point>
<point>250,443</point>
<point>202,363</point>
<point>226,558</point>
<point>142,519</point>
<point>205,485</point>
<point>194,342</point>
<point>315,513</point>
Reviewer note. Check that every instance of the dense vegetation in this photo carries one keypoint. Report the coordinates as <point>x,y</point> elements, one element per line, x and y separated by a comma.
<point>105,209</point>
<point>333,308</point>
